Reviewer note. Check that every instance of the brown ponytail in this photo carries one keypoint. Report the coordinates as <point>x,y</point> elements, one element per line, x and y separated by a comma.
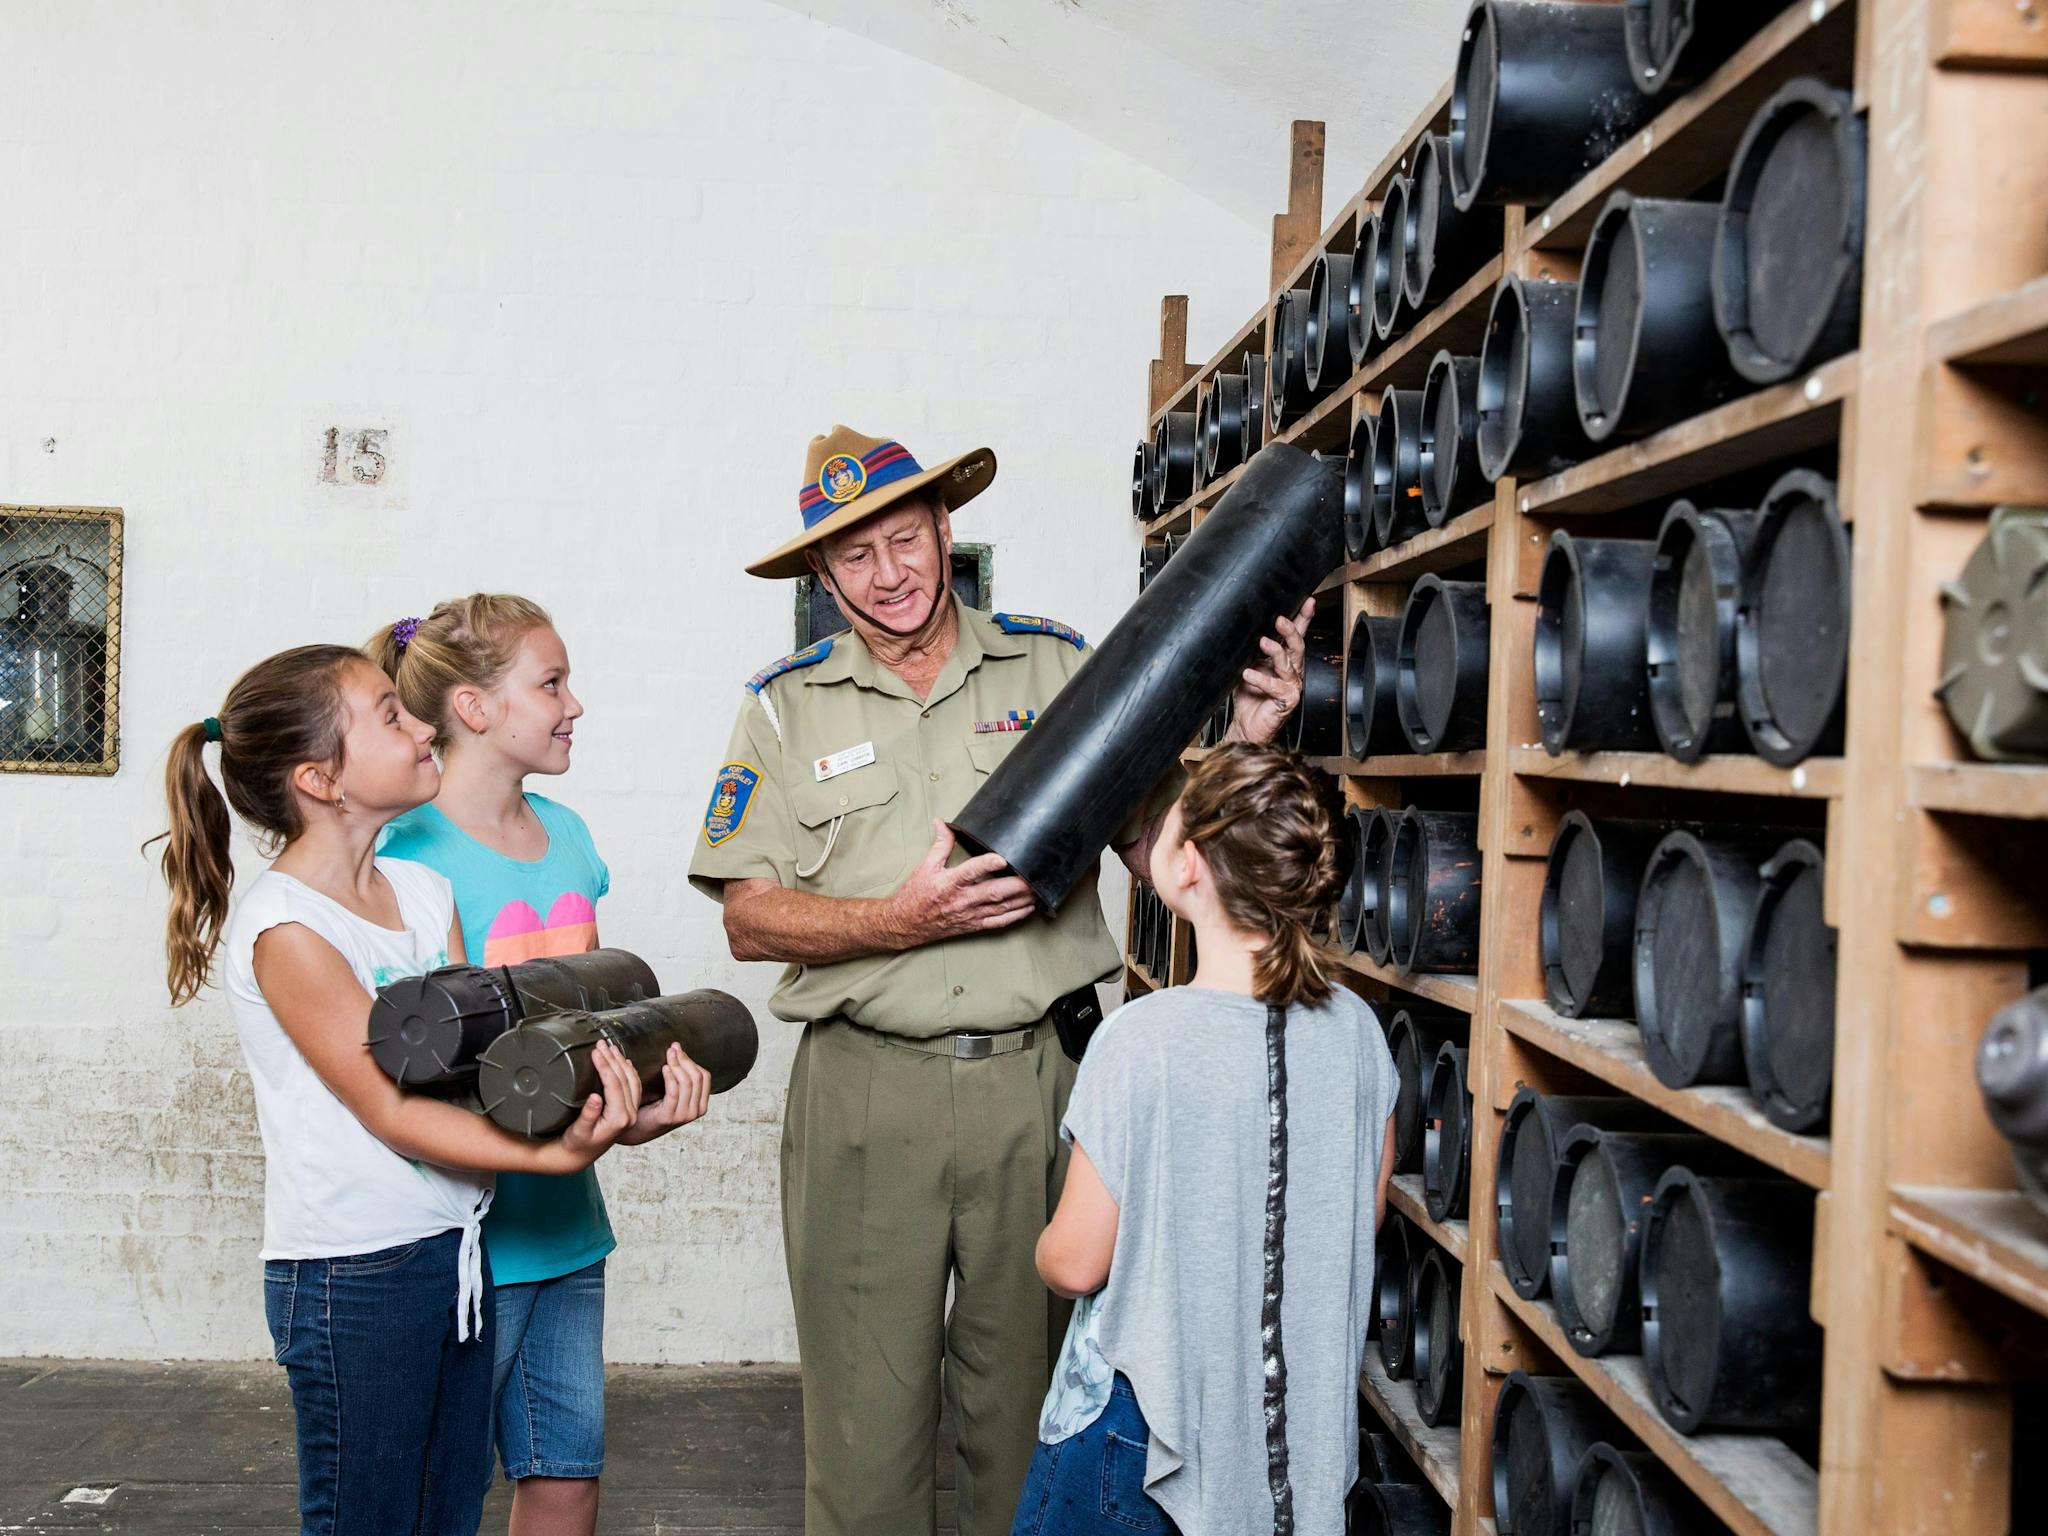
<point>282,712</point>
<point>465,642</point>
<point>1262,818</point>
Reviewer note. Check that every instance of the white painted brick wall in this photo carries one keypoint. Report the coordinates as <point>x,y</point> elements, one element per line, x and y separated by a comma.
<point>601,271</point>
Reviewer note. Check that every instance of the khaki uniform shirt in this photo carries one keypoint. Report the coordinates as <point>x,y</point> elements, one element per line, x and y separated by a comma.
<point>911,762</point>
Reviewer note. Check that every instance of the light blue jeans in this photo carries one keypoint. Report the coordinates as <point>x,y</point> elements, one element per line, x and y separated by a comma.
<point>548,1381</point>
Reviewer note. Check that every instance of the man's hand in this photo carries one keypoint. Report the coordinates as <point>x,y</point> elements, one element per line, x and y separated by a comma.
<point>1267,693</point>
<point>940,903</point>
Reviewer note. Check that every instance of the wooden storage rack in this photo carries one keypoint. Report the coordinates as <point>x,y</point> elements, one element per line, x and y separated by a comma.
<point>1931,1273</point>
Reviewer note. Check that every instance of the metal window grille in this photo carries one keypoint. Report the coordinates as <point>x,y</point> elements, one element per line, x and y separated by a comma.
<point>60,639</point>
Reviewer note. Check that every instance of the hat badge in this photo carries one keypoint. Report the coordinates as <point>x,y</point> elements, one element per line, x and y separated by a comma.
<point>842,478</point>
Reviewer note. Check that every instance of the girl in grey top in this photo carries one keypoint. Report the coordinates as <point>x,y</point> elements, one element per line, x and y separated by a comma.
<point>1231,1141</point>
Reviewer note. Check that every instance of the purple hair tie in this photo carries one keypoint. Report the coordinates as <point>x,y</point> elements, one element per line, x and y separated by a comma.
<point>404,630</point>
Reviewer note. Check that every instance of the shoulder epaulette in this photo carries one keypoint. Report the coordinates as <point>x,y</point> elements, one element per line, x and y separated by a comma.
<point>809,656</point>
<point>1026,624</point>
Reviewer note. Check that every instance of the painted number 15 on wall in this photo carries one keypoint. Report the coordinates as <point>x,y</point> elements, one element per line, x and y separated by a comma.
<point>353,456</point>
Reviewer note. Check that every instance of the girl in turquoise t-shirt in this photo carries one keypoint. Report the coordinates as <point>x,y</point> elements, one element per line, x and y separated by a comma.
<point>490,674</point>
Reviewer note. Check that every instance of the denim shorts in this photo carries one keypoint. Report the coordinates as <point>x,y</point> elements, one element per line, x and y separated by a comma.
<point>392,1411</point>
<point>549,1376</point>
<point>1093,1482</point>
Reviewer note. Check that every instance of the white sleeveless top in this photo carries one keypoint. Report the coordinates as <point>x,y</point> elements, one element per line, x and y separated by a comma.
<point>330,1188</point>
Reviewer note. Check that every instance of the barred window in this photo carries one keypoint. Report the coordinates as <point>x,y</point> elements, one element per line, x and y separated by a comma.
<point>60,639</point>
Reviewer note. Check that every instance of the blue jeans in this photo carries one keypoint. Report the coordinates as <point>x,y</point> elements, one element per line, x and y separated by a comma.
<point>1093,1482</point>
<point>548,1378</point>
<point>393,1414</point>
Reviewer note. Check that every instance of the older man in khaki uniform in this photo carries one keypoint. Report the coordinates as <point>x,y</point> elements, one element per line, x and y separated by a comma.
<point>921,1143</point>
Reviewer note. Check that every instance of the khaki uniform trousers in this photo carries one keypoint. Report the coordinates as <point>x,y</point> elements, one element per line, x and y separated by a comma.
<point>902,1171</point>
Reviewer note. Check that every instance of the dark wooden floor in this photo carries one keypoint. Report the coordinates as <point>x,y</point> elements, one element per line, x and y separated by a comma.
<point>690,1451</point>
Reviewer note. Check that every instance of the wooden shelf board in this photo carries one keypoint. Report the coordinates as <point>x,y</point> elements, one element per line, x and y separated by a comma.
<point>1404,1194</point>
<point>1691,141</point>
<point>1787,418</point>
<point>1460,541</point>
<point>1752,1482</point>
<point>1435,765</point>
<point>1460,992</point>
<point>2008,331</point>
<point>1980,789</point>
<point>1995,1236</point>
<point>1132,965</point>
<point>1612,1050</point>
<point>1819,778</point>
<point>1434,1449</point>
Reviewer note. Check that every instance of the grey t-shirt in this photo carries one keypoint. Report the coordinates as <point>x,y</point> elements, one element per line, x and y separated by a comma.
<point>1171,1108</point>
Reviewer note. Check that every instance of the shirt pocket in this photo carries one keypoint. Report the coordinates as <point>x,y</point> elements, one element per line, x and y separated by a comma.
<point>988,750</point>
<point>856,833</point>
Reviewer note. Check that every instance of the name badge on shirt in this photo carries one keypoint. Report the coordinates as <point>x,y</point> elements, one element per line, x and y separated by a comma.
<point>844,761</point>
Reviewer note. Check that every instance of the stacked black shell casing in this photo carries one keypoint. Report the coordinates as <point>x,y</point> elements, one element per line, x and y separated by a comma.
<point>1788,249</point>
<point>1788,991</point>
<point>1358,302</point>
<point>1646,351</point>
<point>1728,1338</point>
<point>1588,911</point>
<point>1542,1428</point>
<point>1541,95</point>
<point>1444,245</point>
<point>1528,415</point>
<point>1398,513</point>
<point>1432,893</point>
<point>1372,717</point>
<point>1599,1199</point>
<point>1792,622</point>
<point>1173,460</point>
<point>1360,538</point>
<point>1317,724</point>
<point>1441,665</point>
<point>1416,1037</point>
<point>1452,481</point>
<point>1447,1135</point>
<point>1326,325</point>
<point>1525,1173</point>
<point>1689,629</point>
<point>1438,1342</point>
<point>1674,44</point>
<point>1391,314</point>
<point>1592,681</point>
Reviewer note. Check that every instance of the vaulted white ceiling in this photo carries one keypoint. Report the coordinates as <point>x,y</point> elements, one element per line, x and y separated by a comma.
<point>1201,90</point>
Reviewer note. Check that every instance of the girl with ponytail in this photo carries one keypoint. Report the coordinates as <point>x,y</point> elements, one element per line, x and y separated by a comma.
<point>1231,1145</point>
<point>375,1284</point>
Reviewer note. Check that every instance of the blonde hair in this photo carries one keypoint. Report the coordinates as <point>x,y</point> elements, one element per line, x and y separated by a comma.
<point>465,642</point>
<point>1262,818</point>
<point>284,711</point>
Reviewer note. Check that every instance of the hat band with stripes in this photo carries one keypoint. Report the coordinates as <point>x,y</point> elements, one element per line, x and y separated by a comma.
<point>843,479</point>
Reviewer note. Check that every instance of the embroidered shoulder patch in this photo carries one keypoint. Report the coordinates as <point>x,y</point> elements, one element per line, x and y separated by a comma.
<point>809,656</point>
<point>730,795</point>
<point>1027,624</point>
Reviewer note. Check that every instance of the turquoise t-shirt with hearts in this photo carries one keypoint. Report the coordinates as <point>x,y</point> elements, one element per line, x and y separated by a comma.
<point>540,1226</point>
